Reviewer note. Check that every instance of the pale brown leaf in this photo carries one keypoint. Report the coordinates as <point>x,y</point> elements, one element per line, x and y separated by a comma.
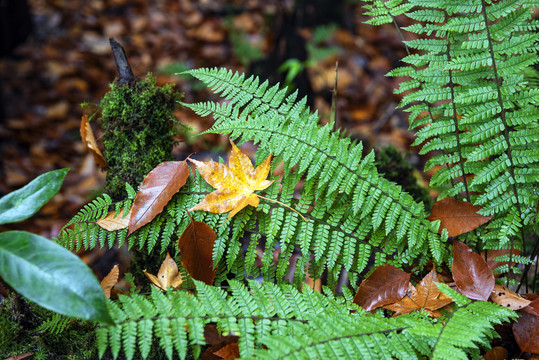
<point>110,280</point>
<point>168,275</point>
<point>508,298</point>
<point>113,223</point>
<point>90,142</point>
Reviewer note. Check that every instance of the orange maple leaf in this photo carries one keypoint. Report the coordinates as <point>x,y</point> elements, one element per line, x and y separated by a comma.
<point>424,296</point>
<point>235,183</point>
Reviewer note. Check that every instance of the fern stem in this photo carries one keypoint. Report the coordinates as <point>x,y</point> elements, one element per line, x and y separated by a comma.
<point>280,203</point>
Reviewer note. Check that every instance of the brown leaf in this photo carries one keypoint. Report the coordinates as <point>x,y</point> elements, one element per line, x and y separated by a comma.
<point>458,217</point>
<point>19,357</point>
<point>113,223</point>
<point>526,331</point>
<point>533,307</point>
<point>424,296</point>
<point>156,190</point>
<point>110,280</point>
<point>167,276</point>
<point>508,298</point>
<point>471,273</point>
<point>492,254</point>
<point>497,353</point>
<point>386,285</point>
<point>196,247</point>
<point>230,351</point>
<point>90,142</point>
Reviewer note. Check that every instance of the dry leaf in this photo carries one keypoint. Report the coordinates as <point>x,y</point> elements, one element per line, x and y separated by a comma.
<point>471,273</point>
<point>497,353</point>
<point>110,280</point>
<point>19,357</point>
<point>196,248</point>
<point>508,298</point>
<point>230,351</point>
<point>90,142</point>
<point>458,217</point>
<point>424,296</point>
<point>533,307</point>
<point>526,331</point>
<point>168,275</point>
<point>235,183</point>
<point>113,223</point>
<point>155,192</point>
<point>386,285</point>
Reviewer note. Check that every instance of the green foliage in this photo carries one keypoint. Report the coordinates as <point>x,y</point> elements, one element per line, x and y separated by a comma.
<point>138,131</point>
<point>275,321</point>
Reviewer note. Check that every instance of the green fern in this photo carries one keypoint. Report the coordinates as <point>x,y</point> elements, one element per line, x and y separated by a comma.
<point>275,322</point>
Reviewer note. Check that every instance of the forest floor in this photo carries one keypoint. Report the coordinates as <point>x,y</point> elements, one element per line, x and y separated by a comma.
<point>67,61</point>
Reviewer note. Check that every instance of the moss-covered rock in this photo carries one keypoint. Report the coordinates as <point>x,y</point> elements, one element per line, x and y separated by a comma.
<point>138,131</point>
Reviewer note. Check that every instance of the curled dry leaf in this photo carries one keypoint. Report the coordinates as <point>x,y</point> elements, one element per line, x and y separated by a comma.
<point>458,217</point>
<point>526,331</point>
<point>386,285</point>
<point>424,296</point>
<point>110,280</point>
<point>471,273</point>
<point>90,142</point>
<point>196,248</point>
<point>508,298</point>
<point>113,223</point>
<point>168,275</point>
<point>235,184</point>
<point>155,192</point>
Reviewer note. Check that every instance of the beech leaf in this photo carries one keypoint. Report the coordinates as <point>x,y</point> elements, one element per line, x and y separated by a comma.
<point>458,217</point>
<point>425,295</point>
<point>497,353</point>
<point>386,285</point>
<point>155,192</point>
<point>508,298</point>
<point>493,254</point>
<point>471,273</point>
<point>113,223</point>
<point>168,275</point>
<point>110,280</point>
<point>235,183</point>
<point>90,142</point>
<point>196,248</point>
<point>526,331</point>
<point>230,351</point>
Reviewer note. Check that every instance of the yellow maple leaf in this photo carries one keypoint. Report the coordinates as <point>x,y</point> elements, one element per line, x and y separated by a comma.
<point>235,184</point>
<point>168,275</point>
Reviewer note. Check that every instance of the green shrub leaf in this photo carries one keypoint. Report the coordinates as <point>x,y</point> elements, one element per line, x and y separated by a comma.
<point>21,204</point>
<point>51,276</point>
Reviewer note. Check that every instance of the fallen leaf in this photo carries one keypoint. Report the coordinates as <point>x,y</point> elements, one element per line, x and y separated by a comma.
<point>424,296</point>
<point>230,351</point>
<point>235,183</point>
<point>196,248</point>
<point>386,285</point>
<point>155,192</point>
<point>113,223</point>
<point>508,298</point>
<point>110,280</point>
<point>493,254</point>
<point>497,353</point>
<point>90,142</point>
<point>213,337</point>
<point>526,331</point>
<point>19,357</point>
<point>168,275</point>
<point>458,217</point>
<point>532,308</point>
<point>471,273</point>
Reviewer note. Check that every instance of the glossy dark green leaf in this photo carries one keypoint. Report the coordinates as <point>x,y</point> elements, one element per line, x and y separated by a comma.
<point>51,276</point>
<point>22,203</point>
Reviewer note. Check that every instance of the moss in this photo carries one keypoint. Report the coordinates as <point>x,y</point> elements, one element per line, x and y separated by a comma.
<point>390,163</point>
<point>138,131</point>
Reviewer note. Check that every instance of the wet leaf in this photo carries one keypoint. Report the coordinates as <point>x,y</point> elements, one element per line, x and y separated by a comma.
<point>21,204</point>
<point>235,183</point>
<point>90,142</point>
<point>497,353</point>
<point>493,254</point>
<point>51,276</point>
<point>458,217</point>
<point>424,296</point>
<point>471,273</point>
<point>508,298</point>
<point>156,190</point>
<point>113,223</point>
<point>110,280</point>
<point>526,331</point>
<point>533,307</point>
<point>386,285</point>
<point>168,275</point>
<point>230,351</point>
<point>196,248</point>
